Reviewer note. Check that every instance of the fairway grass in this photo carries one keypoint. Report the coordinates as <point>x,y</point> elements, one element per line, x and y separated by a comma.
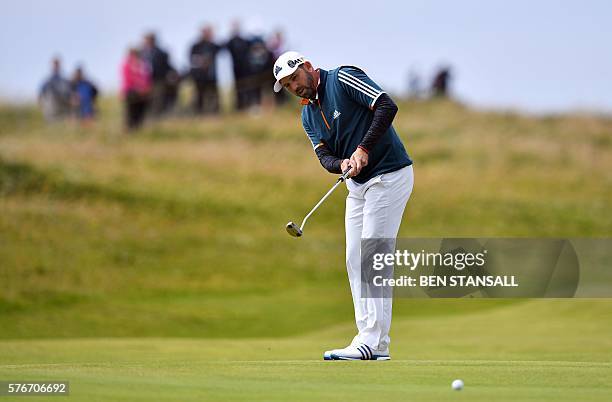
<point>500,353</point>
<point>306,380</point>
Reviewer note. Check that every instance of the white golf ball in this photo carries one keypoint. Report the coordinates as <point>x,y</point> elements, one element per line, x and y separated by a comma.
<point>457,385</point>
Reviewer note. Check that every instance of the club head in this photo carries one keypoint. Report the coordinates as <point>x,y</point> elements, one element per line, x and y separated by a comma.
<point>293,229</point>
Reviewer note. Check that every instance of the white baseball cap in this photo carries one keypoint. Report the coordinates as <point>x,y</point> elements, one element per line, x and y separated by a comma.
<point>285,65</point>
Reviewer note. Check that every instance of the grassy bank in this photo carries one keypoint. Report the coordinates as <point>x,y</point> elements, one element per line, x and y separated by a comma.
<point>177,230</point>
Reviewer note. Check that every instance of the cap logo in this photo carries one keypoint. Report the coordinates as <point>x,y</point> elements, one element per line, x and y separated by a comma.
<point>292,63</point>
<point>277,70</point>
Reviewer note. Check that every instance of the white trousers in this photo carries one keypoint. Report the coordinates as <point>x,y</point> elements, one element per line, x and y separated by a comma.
<point>373,210</point>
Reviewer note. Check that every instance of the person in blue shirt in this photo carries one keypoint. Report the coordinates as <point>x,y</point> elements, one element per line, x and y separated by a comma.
<point>348,119</point>
<point>84,96</point>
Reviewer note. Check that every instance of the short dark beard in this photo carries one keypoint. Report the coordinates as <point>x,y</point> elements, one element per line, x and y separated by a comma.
<point>310,92</point>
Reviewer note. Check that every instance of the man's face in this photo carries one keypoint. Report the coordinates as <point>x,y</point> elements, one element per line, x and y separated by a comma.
<point>207,33</point>
<point>301,83</point>
<point>149,42</point>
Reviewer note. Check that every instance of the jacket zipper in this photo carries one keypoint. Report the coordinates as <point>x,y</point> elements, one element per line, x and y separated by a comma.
<point>323,116</point>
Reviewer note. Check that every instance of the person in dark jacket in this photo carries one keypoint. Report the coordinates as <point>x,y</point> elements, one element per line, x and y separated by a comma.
<point>440,86</point>
<point>348,118</point>
<point>260,61</point>
<point>203,56</point>
<point>238,47</point>
<point>161,72</point>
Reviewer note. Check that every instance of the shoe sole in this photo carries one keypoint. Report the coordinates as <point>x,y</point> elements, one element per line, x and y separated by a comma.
<point>337,357</point>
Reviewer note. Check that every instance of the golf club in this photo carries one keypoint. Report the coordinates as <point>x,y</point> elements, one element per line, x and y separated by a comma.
<point>297,231</point>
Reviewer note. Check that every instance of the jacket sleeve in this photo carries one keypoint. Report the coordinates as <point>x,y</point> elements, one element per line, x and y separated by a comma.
<point>330,162</point>
<point>384,113</point>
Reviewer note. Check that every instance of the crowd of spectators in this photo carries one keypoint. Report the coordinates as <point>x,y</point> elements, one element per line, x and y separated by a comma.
<point>150,83</point>
<point>60,97</point>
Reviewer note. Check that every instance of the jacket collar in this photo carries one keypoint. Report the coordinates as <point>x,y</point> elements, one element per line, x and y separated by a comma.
<point>320,88</point>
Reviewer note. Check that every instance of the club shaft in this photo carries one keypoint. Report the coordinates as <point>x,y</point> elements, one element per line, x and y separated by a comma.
<point>331,190</point>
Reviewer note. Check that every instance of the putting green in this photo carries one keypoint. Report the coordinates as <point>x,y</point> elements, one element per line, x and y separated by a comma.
<point>534,350</point>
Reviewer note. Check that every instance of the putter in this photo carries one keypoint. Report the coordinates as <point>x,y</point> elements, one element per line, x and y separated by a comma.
<point>297,231</point>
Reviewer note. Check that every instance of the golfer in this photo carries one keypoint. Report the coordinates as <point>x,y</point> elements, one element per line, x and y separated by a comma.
<point>348,117</point>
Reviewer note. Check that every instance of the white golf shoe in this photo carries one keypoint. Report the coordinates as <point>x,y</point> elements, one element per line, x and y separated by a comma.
<point>356,352</point>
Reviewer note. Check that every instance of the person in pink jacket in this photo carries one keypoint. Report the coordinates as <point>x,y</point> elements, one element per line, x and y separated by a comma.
<point>135,88</point>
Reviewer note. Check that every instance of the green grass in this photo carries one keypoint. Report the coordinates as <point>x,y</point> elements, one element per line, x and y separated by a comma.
<point>155,266</point>
<point>505,353</point>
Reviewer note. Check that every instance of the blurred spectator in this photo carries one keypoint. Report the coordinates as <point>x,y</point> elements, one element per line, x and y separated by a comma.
<point>239,48</point>
<point>84,95</point>
<point>173,82</point>
<point>277,46</point>
<point>260,62</point>
<point>163,76</point>
<point>441,82</point>
<point>202,56</point>
<point>54,95</point>
<point>414,84</point>
<point>135,88</point>
<point>276,43</point>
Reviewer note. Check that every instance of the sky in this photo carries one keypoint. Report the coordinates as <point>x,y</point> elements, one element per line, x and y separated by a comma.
<point>536,56</point>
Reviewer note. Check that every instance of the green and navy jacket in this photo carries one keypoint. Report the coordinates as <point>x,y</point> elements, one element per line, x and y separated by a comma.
<point>341,115</point>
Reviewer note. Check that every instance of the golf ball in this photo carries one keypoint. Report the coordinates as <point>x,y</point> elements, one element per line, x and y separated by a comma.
<point>457,385</point>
